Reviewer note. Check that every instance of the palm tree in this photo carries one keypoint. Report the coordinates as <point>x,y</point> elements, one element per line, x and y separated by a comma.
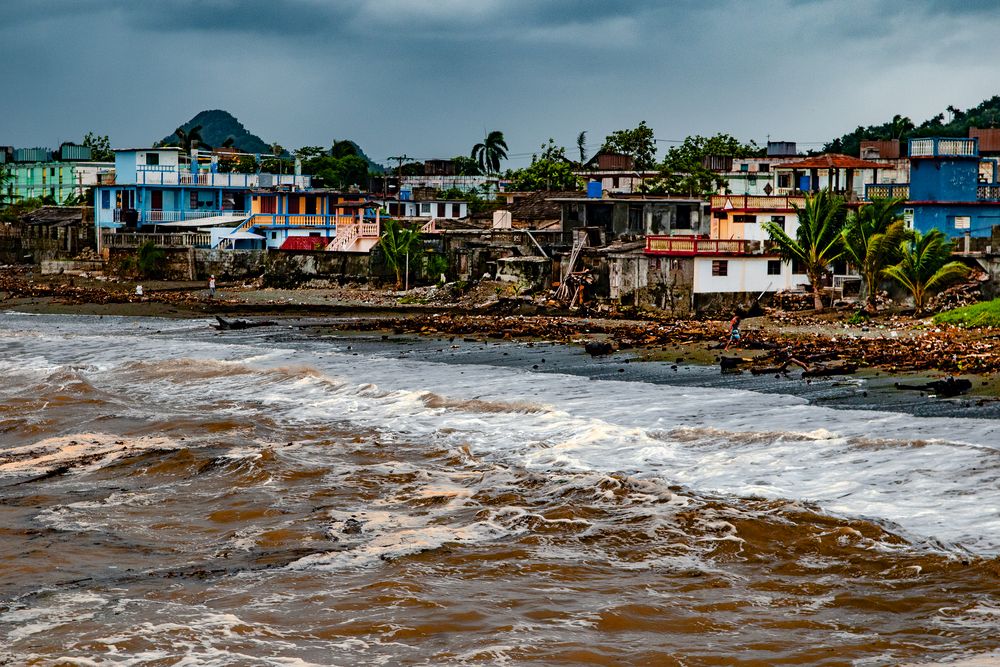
<point>871,240</point>
<point>399,243</point>
<point>581,144</point>
<point>925,268</point>
<point>817,243</point>
<point>190,139</point>
<point>489,153</point>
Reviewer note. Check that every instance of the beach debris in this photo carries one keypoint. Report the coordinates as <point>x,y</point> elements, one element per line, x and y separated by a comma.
<point>226,325</point>
<point>948,388</point>
<point>597,348</point>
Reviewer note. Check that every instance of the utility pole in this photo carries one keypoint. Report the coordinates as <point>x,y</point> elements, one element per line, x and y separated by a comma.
<point>399,170</point>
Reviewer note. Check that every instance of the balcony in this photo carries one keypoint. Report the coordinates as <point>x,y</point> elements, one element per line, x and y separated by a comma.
<point>154,217</point>
<point>175,176</point>
<point>942,147</point>
<point>299,220</point>
<point>756,203</point>
<point>689,246</point>
<point>887,191</point>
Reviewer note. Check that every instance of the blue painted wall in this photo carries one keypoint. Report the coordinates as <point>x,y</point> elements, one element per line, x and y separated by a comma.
<point>125,167</point>
<point>930,216</point>
<point>944,179</point>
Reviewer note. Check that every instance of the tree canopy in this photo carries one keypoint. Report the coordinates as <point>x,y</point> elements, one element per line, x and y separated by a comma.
<point>100,147</point>
<point>549,170</point>
<point>952,122</point>
<point>489,152</point>
<point>638,143</point>
<point>683,171</point>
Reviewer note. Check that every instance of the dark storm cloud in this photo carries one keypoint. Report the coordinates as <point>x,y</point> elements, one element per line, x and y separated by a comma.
<point>430,76</point>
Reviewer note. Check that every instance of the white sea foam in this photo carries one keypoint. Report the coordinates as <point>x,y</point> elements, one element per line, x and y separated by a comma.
<point>933,479</point>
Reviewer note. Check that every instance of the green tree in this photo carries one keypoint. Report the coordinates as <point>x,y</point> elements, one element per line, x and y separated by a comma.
<point>817,243</point>
<point>549,170</point>
<point>637,143</point>
<point>5,176</point>
<point>100,147</point>
<point>148,261</point>
<point>489,153</point>
<point>400,245</point>
<point>871,240</point>
<point>926,267</point>
<point>465,166</point>
<point>188,139</point>
<point>683,171</point>
<point>344,148</point>
<point>581,146</point>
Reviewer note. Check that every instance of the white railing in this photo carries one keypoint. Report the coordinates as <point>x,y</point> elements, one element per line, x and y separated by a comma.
<point>429,227</point>
<point>111,239</point>
<point>218,180</point>
<point>153,217</point>
<point>347,234</point>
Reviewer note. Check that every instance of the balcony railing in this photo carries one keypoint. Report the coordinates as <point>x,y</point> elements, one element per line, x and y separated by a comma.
<point>887,191</point>
<point>988,192</point>
<point>938,147</point>
<point>299,220</point>
<point>690,246</point>
<point>174,176</point>
<point>153,217</point>
<point>111,239</point>
<point>754,202</point>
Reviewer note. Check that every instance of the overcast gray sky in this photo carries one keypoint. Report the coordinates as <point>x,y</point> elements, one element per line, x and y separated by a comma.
<point>430,77</point>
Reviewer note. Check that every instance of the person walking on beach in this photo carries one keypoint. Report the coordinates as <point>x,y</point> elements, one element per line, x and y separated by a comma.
<point>734,332</point>
<point>211,286</point>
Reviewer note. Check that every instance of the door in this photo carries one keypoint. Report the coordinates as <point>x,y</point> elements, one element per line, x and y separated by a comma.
<point>156,200</point>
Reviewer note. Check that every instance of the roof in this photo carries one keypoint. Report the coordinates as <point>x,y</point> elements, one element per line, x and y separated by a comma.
<point>304,243</point>
<point>830,161</point>
<point>204,222</point>
<point>161,148</point>
<point>239,236</point>
<point>60,216</point>
<point>619,199</point>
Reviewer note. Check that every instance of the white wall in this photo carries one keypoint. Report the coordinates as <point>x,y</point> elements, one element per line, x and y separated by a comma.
<point>745,274</point>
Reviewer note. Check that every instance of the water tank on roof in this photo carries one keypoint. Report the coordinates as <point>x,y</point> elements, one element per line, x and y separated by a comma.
<point>781,148</point>
<point>69,152</point>
<point>32,155</point>
<point>595,189</point>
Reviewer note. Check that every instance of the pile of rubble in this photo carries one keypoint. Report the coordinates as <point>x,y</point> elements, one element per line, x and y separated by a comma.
<point>792,301</point>
<point>963,294</point>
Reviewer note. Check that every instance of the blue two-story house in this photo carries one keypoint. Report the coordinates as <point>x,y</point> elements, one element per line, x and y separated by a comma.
<point>951,188</point>
<point>163,187</point>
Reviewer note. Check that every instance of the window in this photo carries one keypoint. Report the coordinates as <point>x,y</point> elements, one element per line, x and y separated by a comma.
<point>152,159</point>
<point>425,208</point>
<point>744,167</point>
<point>774,267</point>
<point>744,218</point>
<point>778,220</point>
<point>798,268</point>
<point>720,215</point>
<point>764,167</point>
<point>963,222</point>
<point>274,235</point>
<point>720,267</point>
<point>784,180</point>
<point>106,199</point>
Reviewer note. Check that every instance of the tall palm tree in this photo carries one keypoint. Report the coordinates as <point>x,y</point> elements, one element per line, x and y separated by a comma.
<point>190,139</point>
<point>489,153</point>
<point>926,267</point>
<point>871,240</point>
<point>817,243</point>
<point>581,144</point>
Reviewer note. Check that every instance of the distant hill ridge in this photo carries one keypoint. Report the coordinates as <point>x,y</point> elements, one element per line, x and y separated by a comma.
<point>218,125</point>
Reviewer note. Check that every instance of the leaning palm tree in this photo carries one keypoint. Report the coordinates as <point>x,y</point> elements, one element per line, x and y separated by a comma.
<point>926,267</point>
<point>871,240</point>
<point>817,242</point>
<point>489,153</point>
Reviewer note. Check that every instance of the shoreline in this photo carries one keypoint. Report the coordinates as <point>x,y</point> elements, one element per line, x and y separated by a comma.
<point>775,344</point>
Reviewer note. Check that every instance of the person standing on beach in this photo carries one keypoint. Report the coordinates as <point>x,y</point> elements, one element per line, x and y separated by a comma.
<point>211,286</point>
<point>734,332</point>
